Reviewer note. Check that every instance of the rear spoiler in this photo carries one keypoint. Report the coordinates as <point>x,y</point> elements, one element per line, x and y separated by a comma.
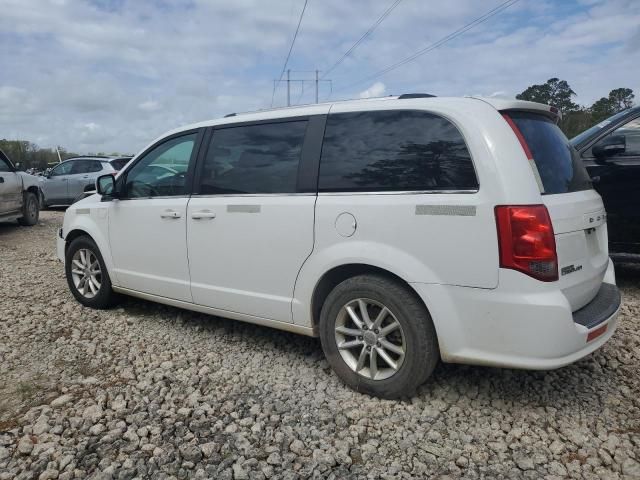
<point>504,105</point>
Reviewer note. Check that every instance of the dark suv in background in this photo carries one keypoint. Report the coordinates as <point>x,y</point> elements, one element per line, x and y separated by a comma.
<point>611,152</point>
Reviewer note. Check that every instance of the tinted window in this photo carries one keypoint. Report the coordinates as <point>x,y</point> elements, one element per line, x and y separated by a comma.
<point>631,133</point>
<point>4,163</point>
<point>254,159</point>
<point>596,129</point>
<point>394,151</point>
<point>86,166</point>
<point>62,169</point>
<point>162,171</point>
<point>119,163</point>
<point>558,163</point>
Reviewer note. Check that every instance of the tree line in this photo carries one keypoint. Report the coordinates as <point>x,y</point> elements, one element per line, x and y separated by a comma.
<point>577,118</point>
<point>26,154</point>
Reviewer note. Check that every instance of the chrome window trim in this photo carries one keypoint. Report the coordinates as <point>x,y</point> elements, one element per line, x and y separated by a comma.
<point>301,194</point>
<point>250,195</point>
<point>403,192</point>
<point>164,197</point>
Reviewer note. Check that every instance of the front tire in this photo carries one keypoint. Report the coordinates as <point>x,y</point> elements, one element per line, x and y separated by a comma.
<point>87,274</point>
<point>30,210</point>
<point>378,337</point>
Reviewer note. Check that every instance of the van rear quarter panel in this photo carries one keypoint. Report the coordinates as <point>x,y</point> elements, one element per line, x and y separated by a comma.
<point>410,234</point>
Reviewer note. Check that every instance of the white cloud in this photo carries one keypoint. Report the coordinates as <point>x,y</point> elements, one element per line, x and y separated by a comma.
<point>375,90</point>
<point>149,106</point>
<point>136,69</point>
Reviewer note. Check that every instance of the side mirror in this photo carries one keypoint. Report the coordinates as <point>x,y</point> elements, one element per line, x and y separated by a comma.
<point>106,187</point>
<point>610,146</point>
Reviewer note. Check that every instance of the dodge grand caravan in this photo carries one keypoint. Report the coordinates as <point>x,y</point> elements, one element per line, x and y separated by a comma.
<point>401,231</point>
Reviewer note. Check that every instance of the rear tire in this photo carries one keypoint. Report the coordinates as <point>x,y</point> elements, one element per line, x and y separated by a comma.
<point>30,210</point>
<point>87,274</point>
<point>405,336</point>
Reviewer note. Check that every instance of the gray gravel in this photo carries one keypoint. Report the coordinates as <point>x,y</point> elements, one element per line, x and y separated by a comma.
<point>150,391</point>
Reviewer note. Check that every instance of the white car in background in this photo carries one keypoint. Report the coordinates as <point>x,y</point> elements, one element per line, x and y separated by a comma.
<point>19,194</point>
<point>401,231</point>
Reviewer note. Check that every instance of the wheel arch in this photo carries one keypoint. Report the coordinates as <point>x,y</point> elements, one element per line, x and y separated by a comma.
<point>336,275</point>
<point>73,234</point>
<point>96,229</point>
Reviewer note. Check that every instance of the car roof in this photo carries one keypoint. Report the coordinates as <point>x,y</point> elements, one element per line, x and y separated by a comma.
<point>408,101</point>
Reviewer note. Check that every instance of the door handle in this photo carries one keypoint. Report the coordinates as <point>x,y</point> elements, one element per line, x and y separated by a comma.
<point>1,179</point>
<point>203,214</point>
<point>170,214</point>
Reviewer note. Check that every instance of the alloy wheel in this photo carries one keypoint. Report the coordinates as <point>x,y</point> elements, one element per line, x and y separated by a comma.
<point>370,339</point>
<point>86,273</point>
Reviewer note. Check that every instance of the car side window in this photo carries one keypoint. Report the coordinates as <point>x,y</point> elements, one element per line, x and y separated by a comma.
<point>631,132</point>
<point>94,166</point>
<point>62,169</point>
<point>4,164</point>
<point>257,159</point>
<point>394,150</point>
<point>162,171</point>
<point>86,166</point>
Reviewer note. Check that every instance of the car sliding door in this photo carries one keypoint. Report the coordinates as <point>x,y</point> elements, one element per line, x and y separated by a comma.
<point>250,220</point>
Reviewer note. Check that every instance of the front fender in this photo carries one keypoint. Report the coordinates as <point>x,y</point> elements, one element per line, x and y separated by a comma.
<point>92,219</point>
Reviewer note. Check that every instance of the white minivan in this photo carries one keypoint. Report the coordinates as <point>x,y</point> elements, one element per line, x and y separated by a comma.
<point>401,231</point>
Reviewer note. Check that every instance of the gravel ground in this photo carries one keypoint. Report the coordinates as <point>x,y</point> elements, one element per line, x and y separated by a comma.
<point>144,390</point>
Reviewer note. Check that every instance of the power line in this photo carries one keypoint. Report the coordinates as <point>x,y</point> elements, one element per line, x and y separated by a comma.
<point>439,43</point>
<point>295,35</point>
<point>364,36</point>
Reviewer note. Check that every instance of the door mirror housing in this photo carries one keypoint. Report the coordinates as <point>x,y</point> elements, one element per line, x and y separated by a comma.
<point>106,187</point>
<point>610,146</point>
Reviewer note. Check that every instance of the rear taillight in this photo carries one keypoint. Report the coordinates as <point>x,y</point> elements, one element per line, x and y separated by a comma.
<point>526,241</point>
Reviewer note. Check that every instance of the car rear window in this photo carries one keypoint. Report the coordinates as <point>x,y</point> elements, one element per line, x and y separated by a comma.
<point>560,169</point>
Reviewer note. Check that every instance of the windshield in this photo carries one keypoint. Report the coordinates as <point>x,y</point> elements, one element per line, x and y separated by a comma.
<point>557,162</point>
<point>584,136</point>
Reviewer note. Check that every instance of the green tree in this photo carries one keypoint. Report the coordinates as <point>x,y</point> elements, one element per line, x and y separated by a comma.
<point>554,92</point>
<point>619,99</point>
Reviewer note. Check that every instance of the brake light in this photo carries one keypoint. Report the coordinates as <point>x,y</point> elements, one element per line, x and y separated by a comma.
<point>526,241</point>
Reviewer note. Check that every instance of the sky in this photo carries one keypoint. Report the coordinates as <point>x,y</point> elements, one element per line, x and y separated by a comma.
<point>112,75</point>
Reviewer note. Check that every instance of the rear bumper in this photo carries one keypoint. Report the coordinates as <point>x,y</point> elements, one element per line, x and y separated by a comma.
<point>507,328</point>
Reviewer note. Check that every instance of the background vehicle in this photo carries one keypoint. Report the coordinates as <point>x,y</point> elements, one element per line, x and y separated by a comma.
<point>611,152</point>
<point>71,178</point>
<point>400,231</point>
<point>19,194</point>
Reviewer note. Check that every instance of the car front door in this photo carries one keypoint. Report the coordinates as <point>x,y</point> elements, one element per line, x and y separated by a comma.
<point>617,180</point>
<point>250,220</point>
<point>147,225</point>
<point>82,175</point>
<point>54,186</point>
<point>10,187</point>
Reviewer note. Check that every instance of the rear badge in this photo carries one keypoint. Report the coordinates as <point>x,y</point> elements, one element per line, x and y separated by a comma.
<point>570,269</point>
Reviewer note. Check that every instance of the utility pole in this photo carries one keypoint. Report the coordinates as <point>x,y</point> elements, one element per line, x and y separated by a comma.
<point>317,85</point>
<point>317,80</point>
<point>288,88</point>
